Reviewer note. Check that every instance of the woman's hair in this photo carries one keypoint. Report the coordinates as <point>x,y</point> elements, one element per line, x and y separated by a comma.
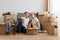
<point>32,14</point>
<point>29,21</point>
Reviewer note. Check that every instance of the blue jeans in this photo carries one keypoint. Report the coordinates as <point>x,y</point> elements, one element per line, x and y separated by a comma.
<point>21,28</point>
<point>8,27</point>
<point>39,29</point>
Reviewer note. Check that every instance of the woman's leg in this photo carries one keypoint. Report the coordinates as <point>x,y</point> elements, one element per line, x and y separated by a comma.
<point>39,29</point>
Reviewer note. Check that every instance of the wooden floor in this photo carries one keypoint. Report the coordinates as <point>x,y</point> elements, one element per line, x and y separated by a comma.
<point>40,36</point>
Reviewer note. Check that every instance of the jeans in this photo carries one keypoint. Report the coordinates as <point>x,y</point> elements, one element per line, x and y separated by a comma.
<point>21,28</point>
<point>39,29</point>
<point>8,27</point>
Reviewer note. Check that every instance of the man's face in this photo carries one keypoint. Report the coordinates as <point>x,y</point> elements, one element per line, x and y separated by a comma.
<point>26,14</point>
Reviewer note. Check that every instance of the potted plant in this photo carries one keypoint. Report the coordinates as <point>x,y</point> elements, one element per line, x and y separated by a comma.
<point>14,27</point>
<point>8,13</point>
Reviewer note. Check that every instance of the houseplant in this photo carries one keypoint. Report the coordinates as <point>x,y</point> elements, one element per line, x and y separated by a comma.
<point>14,25</point>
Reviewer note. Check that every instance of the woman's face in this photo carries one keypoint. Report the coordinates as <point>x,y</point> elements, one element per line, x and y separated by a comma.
<point>31,15</point>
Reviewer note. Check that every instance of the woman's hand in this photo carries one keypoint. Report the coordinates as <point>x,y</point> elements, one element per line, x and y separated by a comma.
<point>36,24</point>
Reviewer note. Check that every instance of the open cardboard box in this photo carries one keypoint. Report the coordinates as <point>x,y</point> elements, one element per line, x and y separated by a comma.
<point>43,13</point>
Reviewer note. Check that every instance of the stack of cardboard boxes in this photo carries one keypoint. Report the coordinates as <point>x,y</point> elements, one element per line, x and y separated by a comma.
<point>42,18</point>
<point>48,23</point>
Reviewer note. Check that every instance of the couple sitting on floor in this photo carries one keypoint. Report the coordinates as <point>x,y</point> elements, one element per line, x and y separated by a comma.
<point>28,20</point>
<point>22,24</point>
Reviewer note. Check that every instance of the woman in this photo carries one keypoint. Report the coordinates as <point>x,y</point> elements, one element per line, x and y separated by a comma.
<point>35,21</point>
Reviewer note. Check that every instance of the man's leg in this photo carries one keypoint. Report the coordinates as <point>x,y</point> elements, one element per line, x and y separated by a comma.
<point>23,30</point>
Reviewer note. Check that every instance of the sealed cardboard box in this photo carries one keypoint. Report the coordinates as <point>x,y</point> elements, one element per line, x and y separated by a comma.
<point>40,18</point>
<point>47,23</point>
<point>53,31</point>
<point>43,26</point>
<point>51,27</point>
<point>44,18</point>
<point>48,17</point>
<point>50,23</point>
<point>54,23</point>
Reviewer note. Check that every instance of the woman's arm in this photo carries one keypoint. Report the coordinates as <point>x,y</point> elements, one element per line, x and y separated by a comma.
<point>37,24</point>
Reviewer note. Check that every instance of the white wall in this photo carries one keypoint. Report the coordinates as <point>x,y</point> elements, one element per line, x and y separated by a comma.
<point>21,5</point>
<point>55,9</point>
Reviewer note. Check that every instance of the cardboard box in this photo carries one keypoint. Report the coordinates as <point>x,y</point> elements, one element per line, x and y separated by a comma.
<point>2,28</point>
<point>44,18</point>
<point>52,28</point>
<point>43,13</point>
<point>43,26</point>
<point>53,31</point>
<point>40,17</point>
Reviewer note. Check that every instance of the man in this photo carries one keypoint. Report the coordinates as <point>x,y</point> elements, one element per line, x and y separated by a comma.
<point>25,19</point>
<point>24,22</point>
<point>35,21</point>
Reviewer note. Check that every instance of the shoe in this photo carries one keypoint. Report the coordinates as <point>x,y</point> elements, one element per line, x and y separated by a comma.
<point>7,33</point>
<point>41,31</point>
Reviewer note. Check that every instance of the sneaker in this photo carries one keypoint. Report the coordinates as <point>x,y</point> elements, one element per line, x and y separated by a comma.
<point>7,33</point>
<point>40,31</point>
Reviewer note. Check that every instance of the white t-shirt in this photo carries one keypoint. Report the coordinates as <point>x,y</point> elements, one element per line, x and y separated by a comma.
<point>25,22</point>
<point>34,22</point>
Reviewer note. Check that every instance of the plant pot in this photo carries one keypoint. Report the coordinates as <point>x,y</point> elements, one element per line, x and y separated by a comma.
<point>14,33</point>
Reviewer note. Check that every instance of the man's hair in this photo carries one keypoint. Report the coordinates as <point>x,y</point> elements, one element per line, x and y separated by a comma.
<point>25,12</point>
